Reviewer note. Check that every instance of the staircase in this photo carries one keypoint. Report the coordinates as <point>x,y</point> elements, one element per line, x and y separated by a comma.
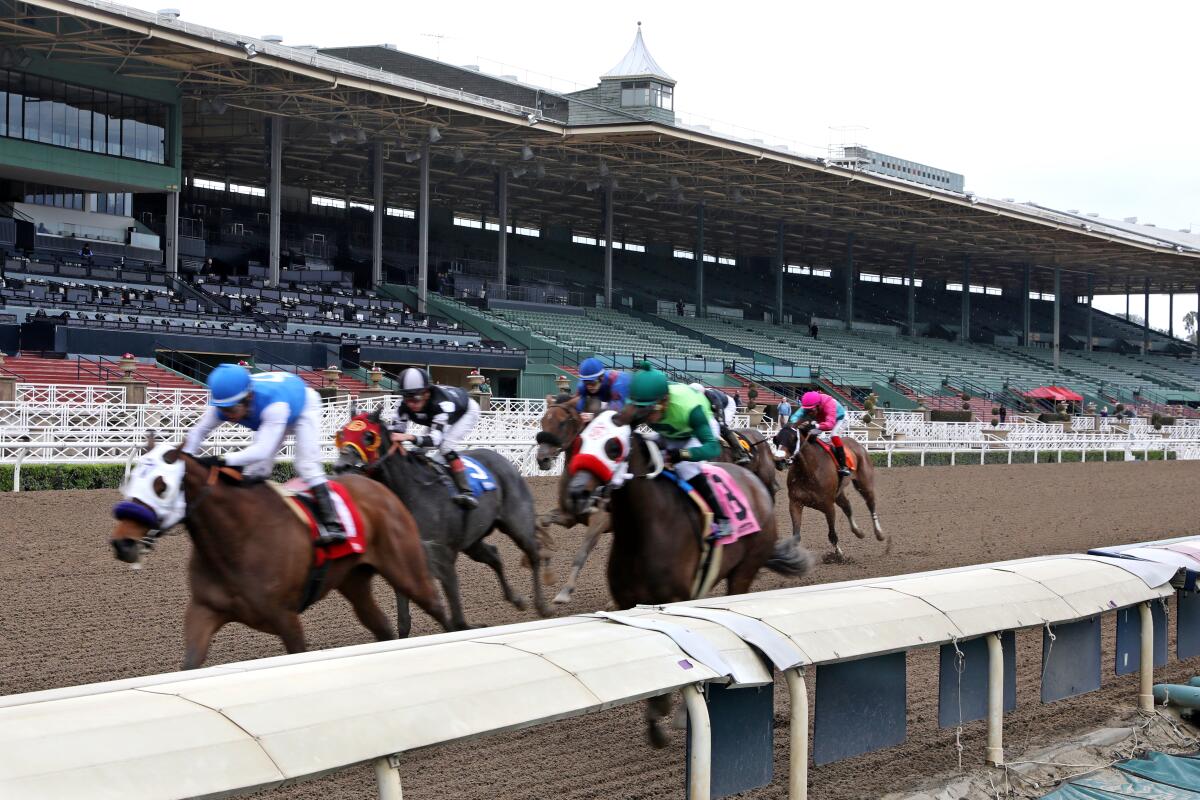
<point>348,383</point>
<point>83,371</point>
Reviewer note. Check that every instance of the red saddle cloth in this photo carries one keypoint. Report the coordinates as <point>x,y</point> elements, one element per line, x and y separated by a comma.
<point>851,461</point>
<point>347,512</point>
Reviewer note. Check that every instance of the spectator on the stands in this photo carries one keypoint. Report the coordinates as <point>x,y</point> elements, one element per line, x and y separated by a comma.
<point>486,386</point>
<point>812,329</point>
<point>1003,414</point>
<point>85,253</point>
<point>785,410</point>
<point>679,307</point>
<point>1104,412</point>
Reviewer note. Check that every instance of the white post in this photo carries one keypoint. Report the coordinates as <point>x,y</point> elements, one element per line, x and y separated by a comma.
<point>17,469</point>
<point>1146,667</point>
<point>798,765</point>
<point>701,743</point>
<point>388,778</point>
<point>995,725</point>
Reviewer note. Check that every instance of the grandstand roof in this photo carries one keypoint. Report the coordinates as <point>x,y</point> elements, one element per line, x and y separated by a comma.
<point>661,172</point>
<point>638,62</point>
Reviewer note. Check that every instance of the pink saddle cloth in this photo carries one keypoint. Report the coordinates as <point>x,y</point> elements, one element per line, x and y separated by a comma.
<point>735,506</point>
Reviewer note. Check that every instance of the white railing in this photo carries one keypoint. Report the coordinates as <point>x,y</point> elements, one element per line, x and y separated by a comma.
<point>176,397</point>
<point>378,701</point>
<point>69,394</point>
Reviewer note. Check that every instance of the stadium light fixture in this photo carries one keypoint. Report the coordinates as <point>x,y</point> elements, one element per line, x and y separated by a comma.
<point>540,170</point>
<point>533,118</point>
<point>251,51</point>
<point>412,155</point>
<point>360,136</point>
<point>651,197</point>
<point>435,135</point>
<point>526,152</point>
<point>592,185</point>
<point>459,155</point>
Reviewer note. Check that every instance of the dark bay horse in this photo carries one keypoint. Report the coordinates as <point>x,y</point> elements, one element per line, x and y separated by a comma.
<point>762,460</point>
<point>813,482</point>
<point>251,554</point>
<point>561,425</point>
<point>657,536</point>
<point>445,528</point>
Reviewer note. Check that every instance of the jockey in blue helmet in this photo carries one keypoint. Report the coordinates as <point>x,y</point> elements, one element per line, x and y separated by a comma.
<point>272,404</point>
<point>610,387</point>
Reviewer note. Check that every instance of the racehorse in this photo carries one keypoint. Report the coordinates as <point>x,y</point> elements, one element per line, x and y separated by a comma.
<point>813,482</point>
<point>252,556</point>
<point>561,424</point>
<point>446,529</point>
<point>658,536</point>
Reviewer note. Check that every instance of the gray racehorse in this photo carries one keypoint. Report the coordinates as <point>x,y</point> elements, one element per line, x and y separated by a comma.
<point>445,528</point>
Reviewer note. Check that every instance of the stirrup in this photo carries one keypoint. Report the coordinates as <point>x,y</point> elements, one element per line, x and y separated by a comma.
<point>328,538</point>
<point>465,500</point>
<point>844,472</point>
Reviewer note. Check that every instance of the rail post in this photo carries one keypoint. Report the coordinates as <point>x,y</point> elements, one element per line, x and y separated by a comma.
<point>1146,666</point>
<point>24,451</point>
<point>387,775</point>
<point>700,731</point>
<point>798,762</point>
<point>995,723</point>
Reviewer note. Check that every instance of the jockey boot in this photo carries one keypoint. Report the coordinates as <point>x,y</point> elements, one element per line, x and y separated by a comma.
<point>334,532</point>
<point>723,527</point>
<point>839,453</point>
<point>465,497</point>
<point>740,456</point>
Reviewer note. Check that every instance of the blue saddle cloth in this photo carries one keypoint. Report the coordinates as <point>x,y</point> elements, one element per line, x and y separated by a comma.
<point>477,475</point>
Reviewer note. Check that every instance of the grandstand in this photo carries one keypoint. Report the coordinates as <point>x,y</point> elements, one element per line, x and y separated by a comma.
<point>462,220</point>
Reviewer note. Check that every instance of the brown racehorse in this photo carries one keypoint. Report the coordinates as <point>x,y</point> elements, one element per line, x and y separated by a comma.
<point>657,534</point>
<point>251,554</point>
<point>561,424</point>
<point>813,482</point>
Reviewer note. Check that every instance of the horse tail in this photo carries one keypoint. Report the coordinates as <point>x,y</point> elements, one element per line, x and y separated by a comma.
<point>790,558</point>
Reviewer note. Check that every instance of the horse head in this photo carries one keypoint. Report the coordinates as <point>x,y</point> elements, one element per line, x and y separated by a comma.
<point>561,424</point>
<point>603,448</point>
<point>360,442</point>
<point>154,501</point>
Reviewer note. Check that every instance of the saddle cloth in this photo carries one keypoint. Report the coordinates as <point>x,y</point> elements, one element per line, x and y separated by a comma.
<point>298,497</point>
<point>735,506</point>
<point>478,478</point>
<point>851,461</point>
<point>742,442</point>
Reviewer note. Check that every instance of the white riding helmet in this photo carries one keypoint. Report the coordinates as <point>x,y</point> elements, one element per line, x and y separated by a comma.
<point>414,380</point>
<point>698,387</point>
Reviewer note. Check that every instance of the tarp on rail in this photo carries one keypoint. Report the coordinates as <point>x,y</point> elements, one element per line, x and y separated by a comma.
<point>1054,393</point>
<point>1158,776</point>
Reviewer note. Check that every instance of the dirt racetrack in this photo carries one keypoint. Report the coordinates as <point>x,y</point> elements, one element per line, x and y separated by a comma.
<point>73,615</point>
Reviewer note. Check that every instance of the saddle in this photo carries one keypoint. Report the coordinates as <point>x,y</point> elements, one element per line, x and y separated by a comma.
<point>747,447</point>
<point>478,477</point>
<point>851,460</point>
<point>298,498</point>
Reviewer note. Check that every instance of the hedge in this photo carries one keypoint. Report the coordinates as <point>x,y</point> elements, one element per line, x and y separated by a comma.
<point>39,477</point>
<point>950,416</point>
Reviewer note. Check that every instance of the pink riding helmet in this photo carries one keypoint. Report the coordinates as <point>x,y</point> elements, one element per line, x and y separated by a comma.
<point>811,400</point>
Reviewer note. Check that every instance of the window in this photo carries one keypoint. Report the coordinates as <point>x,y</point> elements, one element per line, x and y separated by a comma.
<point>1047,296</point>
<point>640,94</point>
<point>973,289</point>
<point>726,260</point>
<point>205,183</point>
<point>895,280</point>
<point>258,191</point>
<point>994,290</point>
<point>953,287</point>
<point>796,269</point>
<point>583,239</point>
<point>635,248</point>
<point>319,200</point>
<point>867,277</point>
<point>687,255</point>
<point>404,213</point>
<point>364,206</point>
<point>527,231</point>
<point>467,222</point>
<point>821,273</point>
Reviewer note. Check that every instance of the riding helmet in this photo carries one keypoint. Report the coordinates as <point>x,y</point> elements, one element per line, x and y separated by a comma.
<point>591,369</point>
<point>697,387</point>
<point>414,380</point>
<point>647,387</point>
<point>228,385</point>
<point>811,400</point>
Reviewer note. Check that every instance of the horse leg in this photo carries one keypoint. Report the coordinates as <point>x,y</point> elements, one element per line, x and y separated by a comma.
<point>657,709</point>
<point>409,579</point>
<point>598,524</point>
<point>200,624</point>
<point>291,631</point>
<point>844,504</point>
<point>356,588</point>
<point>831,521</point>
<point>866,488</point>
<point>525,537</point>
<point>487,554</point>
<point>796,511</point>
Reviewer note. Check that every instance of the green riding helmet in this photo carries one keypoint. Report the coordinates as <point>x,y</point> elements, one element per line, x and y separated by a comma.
<point>647,387</point>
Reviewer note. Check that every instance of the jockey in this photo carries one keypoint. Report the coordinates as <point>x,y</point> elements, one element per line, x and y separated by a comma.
<point>723,408</point>
<point>830,417</point>
<point>272,404</point>
<point>610,387</point>
<point>686,430</point>
<point>449,414</point>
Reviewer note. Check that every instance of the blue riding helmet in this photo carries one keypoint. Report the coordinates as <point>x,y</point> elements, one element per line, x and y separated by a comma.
<point>591,369</point>
<point>228,384</point>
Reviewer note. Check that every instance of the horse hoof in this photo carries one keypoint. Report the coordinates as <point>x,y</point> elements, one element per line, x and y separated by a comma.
<point>657,736</point>
<point>519,602</point>
<point>834,558</point>
<point>859,533</point>
<point>562,598</point>
<point>544,610</point>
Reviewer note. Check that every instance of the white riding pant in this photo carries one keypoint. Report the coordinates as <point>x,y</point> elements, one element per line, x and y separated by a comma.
<point>307,453</point>
<point>727,412</point>
<point>454,436</point>
<point>839,429</point>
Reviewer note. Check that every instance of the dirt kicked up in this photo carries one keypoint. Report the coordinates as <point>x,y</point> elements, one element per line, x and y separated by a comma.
<point>72,615</point>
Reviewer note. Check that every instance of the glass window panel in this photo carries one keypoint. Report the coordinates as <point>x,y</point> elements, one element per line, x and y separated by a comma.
<point>31,110</point>
<point>128,125</point>
<point>16,105</point>
<point>114,124</point>
<point>85,119</point>
<point>99,122</point>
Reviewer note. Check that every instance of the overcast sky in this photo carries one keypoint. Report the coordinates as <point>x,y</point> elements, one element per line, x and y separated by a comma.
<point>1074,105</point>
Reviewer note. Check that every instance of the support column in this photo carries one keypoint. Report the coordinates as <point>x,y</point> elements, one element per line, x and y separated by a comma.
<point>423,232</point>
<point>965,335</point>
<point>1171,314</point>
<point>779,267</point>
<point>502,234</point>
<point>377,218</point>
<point>1196,341</point>
<point>275,195</point>
<point>171,245</point>
<point>911,315</point>
<point>1127,299</point>
<point>608,245</point>
<point>994,754</point>
<point>700,260</point>
<point>1026,318</point>
<point>1091,297</point>
<point>849,281</point>
<point>1146,318</point>
<point>1057,315</point>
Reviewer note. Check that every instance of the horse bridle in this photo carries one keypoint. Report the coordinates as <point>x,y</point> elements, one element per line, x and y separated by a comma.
<point>152,535</point>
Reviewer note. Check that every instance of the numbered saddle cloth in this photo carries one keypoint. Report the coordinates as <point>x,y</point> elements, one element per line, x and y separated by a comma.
<point>735,506</point>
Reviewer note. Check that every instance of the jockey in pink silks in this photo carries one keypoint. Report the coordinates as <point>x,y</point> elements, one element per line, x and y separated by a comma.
<point>830,417</point>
